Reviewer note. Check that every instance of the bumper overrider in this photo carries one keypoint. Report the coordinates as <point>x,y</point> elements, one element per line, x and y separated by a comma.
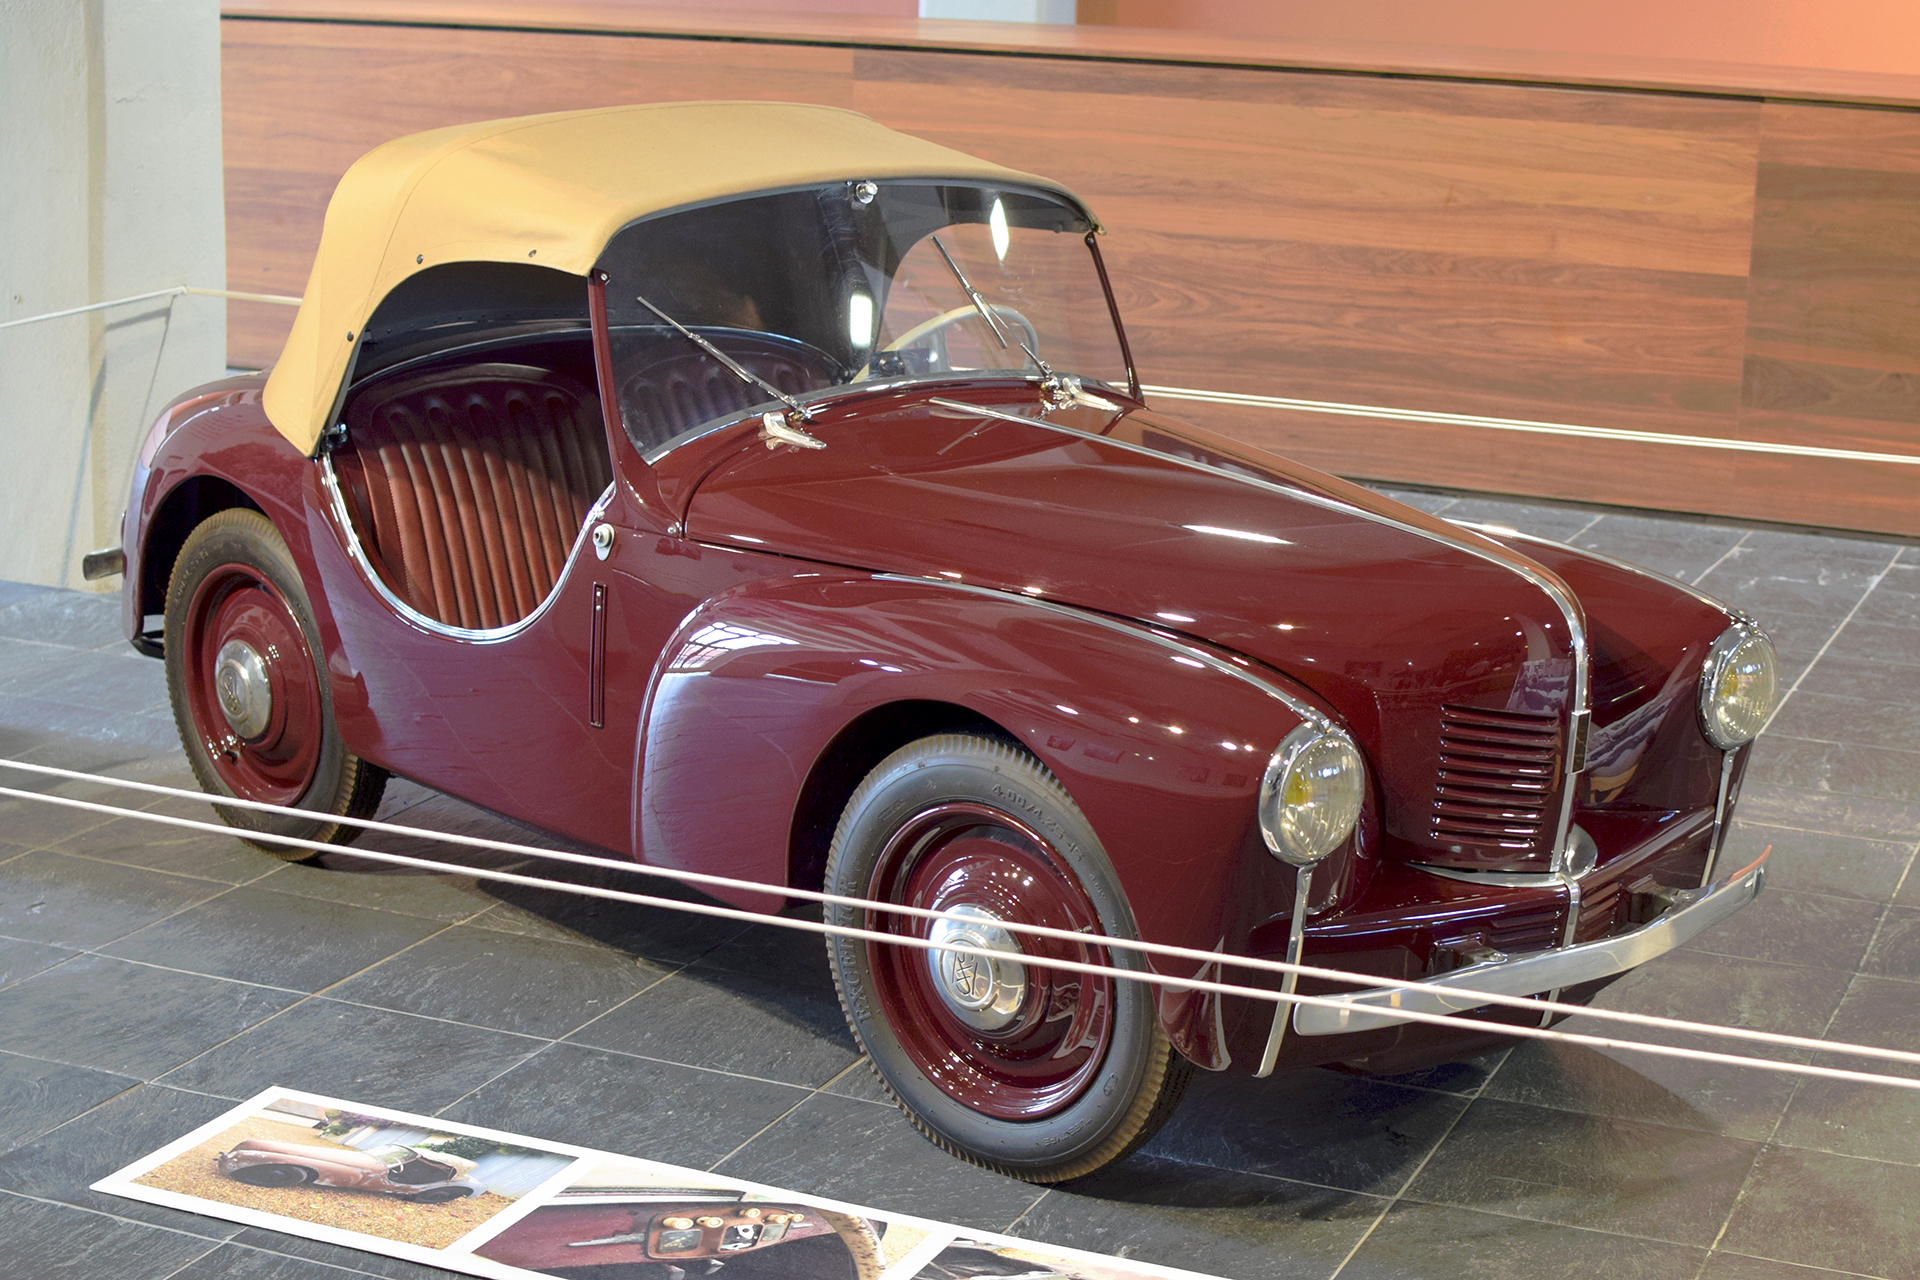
<point>1690,913</point>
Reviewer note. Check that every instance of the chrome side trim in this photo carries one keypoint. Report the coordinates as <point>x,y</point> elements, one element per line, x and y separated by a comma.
<point>1296,943</point>
<point>1309,714</point>
<point>1692,913</point>
<point>359,556</point>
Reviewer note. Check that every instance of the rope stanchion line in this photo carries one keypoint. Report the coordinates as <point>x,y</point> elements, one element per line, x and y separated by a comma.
<point>1146,951</point>
<point>177,291</point>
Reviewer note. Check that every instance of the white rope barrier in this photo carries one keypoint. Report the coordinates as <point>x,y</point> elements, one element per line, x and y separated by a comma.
<point>1188,984</point>
<point>176,291</point>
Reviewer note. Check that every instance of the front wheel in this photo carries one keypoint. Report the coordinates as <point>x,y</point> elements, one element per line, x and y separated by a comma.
<point>1038,1073</point>
<point>250,696</point>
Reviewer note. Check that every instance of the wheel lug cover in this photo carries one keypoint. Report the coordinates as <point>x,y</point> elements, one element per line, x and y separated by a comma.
<point>986,994</point>
<point>240,685</point>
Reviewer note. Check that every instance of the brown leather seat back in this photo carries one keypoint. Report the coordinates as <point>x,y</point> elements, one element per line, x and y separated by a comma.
<point>674,386</point>
<point>468,486</point>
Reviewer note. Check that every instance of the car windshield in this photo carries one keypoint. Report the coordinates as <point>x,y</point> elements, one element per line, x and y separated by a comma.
<point>819,289</point>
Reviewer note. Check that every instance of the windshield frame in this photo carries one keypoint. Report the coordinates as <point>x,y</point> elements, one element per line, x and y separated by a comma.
<point>605,328</point>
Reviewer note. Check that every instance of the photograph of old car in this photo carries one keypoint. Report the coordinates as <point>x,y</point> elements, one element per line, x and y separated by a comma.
<point>752,489</point>
<point>425,1177</point>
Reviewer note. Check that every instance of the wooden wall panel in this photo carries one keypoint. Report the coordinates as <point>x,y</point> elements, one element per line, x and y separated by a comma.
<point>1695,265</point>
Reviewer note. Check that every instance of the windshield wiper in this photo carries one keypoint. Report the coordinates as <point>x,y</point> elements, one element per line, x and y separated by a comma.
<point>789,429</point>
<point>973,295</point>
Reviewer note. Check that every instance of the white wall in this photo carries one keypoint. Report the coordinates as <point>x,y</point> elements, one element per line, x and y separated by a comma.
<point>110,185</point>
<point>1000,10</point>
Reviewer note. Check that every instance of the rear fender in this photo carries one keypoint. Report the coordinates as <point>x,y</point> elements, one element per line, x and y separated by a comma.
<point>1160,743</point>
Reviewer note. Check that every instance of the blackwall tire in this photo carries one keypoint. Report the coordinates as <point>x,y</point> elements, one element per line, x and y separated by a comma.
<point>239,627</point>
<point>1040,1074</point>
<point>273,1175</point>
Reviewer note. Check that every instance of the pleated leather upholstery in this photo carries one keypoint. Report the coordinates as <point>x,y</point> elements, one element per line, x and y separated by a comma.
<point>467,487</point>
<point>674,387</point>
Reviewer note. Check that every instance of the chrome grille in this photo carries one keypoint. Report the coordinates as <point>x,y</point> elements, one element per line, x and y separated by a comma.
<point>1497,773</point>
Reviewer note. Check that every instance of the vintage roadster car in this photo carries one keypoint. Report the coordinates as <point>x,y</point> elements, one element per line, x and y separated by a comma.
<point>752,489</point>
<point>666,1233</point>
<point>429,1177</point>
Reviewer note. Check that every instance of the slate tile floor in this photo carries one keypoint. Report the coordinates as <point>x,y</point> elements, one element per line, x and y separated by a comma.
<point>149,977</point>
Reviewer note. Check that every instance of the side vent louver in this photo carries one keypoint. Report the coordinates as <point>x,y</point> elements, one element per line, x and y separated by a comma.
<point>1497,773</point>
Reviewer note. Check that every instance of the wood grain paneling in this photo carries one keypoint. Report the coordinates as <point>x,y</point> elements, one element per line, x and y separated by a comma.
<point>1713,266</point>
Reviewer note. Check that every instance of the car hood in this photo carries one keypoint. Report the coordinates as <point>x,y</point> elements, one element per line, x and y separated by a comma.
<point>1390,616</point>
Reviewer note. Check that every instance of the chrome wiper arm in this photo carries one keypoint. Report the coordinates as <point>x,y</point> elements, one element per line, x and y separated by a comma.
<point>738,370</point>
<point>973,294</point>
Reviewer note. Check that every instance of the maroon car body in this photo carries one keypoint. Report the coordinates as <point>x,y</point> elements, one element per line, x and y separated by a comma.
<point>741,629</point>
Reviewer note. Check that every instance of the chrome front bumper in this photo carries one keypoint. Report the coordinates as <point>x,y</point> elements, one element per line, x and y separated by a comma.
<point>1691,913</point>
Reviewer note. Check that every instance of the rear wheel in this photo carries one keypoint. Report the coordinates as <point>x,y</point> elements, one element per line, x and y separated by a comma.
<point>440,1195</point>
<point>1039,1073</point>
<point>273,1175</point>
<point>250,697</point>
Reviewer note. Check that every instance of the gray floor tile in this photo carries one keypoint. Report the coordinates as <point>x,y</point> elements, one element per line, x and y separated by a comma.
<point>1830,1211</point>
<point>116,683</point>
<point>1761,578</point>
<point>666,937</point>
<point>277,939</point>
<point>340,1261</point>
<point>1709,1097</point>
<point>1877,642</point>
<point>503,980</point>
<point>62,1164</point>
<point>137,1020</point>
<point>1213,1221</point>
<point>1896,601</point>
<point>77,902</point>
<point>1635,1179</point>
<point>1420,498</point>
<point>1887,682</point>
<point>1876,1122</point>
<point>1440,1242</point>
<point>70,619</point>
<point>46,1240</point>
<point>203,855</point>
<point>895,1168</point>
<point>36,1095</point>
<point>1309,1126</point>
<point>232,1261</point>
<point>1896,948</point>
<point>20,960</point>
<point>1733,1266</point>
<point>859,1081</point>
<point>654,1110</point>
<point>346,1051</point>
<point>755,1025</point>
<point>1678,550</point>
<point>1843,767</point>
<point>1860,817</point>
<point>1792,927</point>
<point>1871,722</point>
<point>340,877</point>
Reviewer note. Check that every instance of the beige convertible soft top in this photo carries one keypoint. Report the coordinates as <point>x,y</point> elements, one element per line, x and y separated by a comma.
<point>552,190</point>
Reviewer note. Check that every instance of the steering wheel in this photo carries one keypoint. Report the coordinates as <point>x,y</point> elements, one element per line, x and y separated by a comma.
<point>931,333</point>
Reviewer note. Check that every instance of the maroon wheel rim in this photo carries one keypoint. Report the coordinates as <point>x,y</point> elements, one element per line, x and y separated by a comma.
<point>273,761</point>
<point>1047,1043</point>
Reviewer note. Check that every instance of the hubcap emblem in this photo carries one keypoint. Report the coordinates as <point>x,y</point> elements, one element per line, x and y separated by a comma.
<point>240,685</point>
<point>984,993</point>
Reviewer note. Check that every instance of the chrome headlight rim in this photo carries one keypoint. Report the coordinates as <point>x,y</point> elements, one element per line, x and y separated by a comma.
<point>1725,651</point>
<point>1304,743</point>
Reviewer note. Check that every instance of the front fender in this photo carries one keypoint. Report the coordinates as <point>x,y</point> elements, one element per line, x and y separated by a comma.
<point>1162,749</point>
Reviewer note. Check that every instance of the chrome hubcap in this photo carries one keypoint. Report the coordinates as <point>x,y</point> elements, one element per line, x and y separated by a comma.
<point>240,684</point>
<point>985,994</point>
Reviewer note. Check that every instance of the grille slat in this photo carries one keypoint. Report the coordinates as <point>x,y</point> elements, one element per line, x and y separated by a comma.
<point>1497,773</point>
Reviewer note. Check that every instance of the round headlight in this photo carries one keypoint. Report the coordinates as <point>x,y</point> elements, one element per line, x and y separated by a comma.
<point>1310,797</point>
<point>1737,687</point>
